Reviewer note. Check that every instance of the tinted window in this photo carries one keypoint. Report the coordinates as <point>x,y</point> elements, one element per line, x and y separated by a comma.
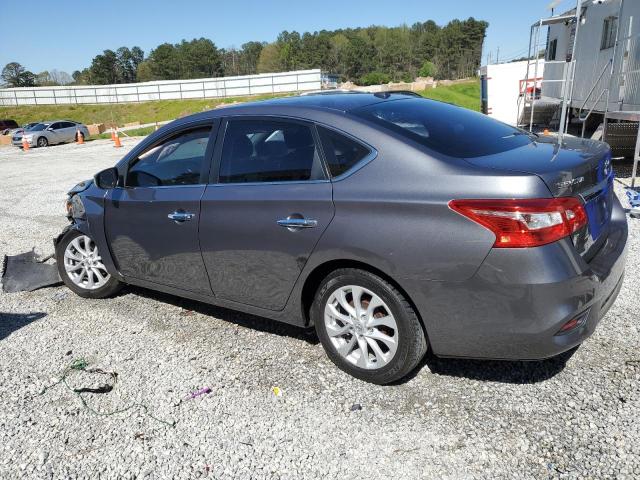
<point>177,161</point>
<point>38,127</point>
<point>57,126</point>
<point>68,125</point>
<point>341,152</point>
<point>444,128</point>
<point>269,151</point>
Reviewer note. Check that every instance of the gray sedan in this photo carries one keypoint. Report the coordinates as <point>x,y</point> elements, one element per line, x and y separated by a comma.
<point>393,224</point>
<point>50,133</point>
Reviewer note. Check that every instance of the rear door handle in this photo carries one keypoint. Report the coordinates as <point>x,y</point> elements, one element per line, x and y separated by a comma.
<point>180,217</point>
<point>297,223</point>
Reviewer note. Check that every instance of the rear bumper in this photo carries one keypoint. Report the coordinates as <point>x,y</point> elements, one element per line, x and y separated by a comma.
<point>515,304</point>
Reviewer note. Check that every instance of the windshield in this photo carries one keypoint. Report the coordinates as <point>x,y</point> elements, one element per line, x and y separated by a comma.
<point>446,129</point>
<point>37,127</point>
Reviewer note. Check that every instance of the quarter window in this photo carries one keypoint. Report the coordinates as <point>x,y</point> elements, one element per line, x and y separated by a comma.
<point>176,161</point>
<point>269,151</point>
<point>341,152</point>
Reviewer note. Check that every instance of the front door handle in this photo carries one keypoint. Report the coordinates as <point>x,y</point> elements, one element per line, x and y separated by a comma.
<point>297,223</point>
<point>180,217</point>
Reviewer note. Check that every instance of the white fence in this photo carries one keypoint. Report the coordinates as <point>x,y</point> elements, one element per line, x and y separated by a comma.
<point>301,80</point>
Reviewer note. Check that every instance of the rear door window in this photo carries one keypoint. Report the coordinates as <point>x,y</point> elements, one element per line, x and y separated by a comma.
<point>266,150</point>
<point>446,129</point>
<point>176,161</point>
<point>342,153</point>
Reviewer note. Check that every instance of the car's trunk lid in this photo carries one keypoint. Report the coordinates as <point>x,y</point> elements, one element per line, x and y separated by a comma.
<point>579,168</point>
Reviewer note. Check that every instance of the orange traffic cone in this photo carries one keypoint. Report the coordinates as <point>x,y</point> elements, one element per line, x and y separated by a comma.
<point>113,135</point>
<point>545,131</point>
<point>117,140</point>
<point>79,137</point>
<point>25,144</point>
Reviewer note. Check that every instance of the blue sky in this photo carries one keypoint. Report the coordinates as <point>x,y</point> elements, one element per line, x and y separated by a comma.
<point>66,35</point>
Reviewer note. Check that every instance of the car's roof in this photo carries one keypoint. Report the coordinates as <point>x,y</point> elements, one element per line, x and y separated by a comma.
<point>340,101</point>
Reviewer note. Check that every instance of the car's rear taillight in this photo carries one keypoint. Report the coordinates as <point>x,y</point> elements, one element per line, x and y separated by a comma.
<point>527,222</point>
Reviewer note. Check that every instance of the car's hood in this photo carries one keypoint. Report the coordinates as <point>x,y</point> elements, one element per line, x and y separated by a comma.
<point>80,187</point>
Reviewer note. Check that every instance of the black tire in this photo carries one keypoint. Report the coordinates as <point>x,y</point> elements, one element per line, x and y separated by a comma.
<point>412,342</point>
<point>110,288</point>
<point>42,142</point>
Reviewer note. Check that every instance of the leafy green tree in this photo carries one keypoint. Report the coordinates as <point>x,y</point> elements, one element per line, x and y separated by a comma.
<point>144,72</point>
<point>165,62</point>
<point>104,68</point>
<point>199,58</point>
<point>270,60</point>
<point>15,75</point>
<point>375,78</point>
<point>428,69</point>
<point>81,77</point>
<point>249,57</point>
<point>289,48</point>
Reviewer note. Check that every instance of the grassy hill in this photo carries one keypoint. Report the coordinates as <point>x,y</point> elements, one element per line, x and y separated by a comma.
<point>121,113</point>
<point>465,94</point>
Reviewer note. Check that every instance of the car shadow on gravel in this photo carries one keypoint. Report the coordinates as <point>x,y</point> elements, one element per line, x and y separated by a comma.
<point>501,371</point>
<point>246,320</point>
<point>10,322</point>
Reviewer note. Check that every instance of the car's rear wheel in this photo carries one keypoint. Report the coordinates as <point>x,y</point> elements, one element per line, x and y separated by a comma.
<point>367,327</point>
<point>81,268</point>
<point>42,142</point>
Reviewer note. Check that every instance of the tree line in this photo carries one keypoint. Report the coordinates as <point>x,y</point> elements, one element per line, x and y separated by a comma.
<point>367,55</point>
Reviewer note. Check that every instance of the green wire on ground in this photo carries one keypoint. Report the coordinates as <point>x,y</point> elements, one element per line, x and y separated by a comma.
<point>80,364</point>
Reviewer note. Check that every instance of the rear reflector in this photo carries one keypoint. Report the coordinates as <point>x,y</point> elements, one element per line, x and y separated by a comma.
<point>525,223</point>
<point>573,323</point>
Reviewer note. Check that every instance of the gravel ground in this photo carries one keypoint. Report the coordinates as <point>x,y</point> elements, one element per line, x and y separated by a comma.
<point>570,417</point>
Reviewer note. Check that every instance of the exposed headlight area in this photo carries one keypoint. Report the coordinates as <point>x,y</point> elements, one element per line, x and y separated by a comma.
<point>75,207</point>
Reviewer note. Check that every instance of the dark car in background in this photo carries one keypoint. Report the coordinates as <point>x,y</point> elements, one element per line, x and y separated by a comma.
<point>393,224</point>
<point>6,125</point>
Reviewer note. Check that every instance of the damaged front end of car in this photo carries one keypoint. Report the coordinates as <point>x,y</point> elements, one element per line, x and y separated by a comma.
<point>73,204</point>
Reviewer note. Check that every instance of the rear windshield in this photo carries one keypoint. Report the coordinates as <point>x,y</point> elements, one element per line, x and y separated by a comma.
<point>444,128</point>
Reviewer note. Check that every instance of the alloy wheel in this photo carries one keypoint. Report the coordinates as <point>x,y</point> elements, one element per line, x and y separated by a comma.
<point>361,327</point>
<point>83,264</point>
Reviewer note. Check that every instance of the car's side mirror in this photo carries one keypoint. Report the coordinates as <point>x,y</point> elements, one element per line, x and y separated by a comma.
<point>107,179</point>
<point>49,129</point>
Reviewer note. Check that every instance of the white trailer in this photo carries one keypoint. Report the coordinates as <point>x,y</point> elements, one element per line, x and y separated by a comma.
<point>502,85</point>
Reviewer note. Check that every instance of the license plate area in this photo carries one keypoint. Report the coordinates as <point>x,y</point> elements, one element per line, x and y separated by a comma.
<point>598,208</point>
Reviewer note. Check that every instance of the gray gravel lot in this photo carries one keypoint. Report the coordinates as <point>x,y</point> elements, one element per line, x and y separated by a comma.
<point>570,417</point>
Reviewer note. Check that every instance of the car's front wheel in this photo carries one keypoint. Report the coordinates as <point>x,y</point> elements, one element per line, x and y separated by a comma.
<point>42,142</point>
<point>81,268</point>
<point>367,327</point>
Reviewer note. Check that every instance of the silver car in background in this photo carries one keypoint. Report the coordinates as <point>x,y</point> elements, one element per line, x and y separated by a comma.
<point>50,133</point>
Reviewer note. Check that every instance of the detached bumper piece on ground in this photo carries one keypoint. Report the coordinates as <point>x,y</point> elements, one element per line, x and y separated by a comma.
<point>25,273</point>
